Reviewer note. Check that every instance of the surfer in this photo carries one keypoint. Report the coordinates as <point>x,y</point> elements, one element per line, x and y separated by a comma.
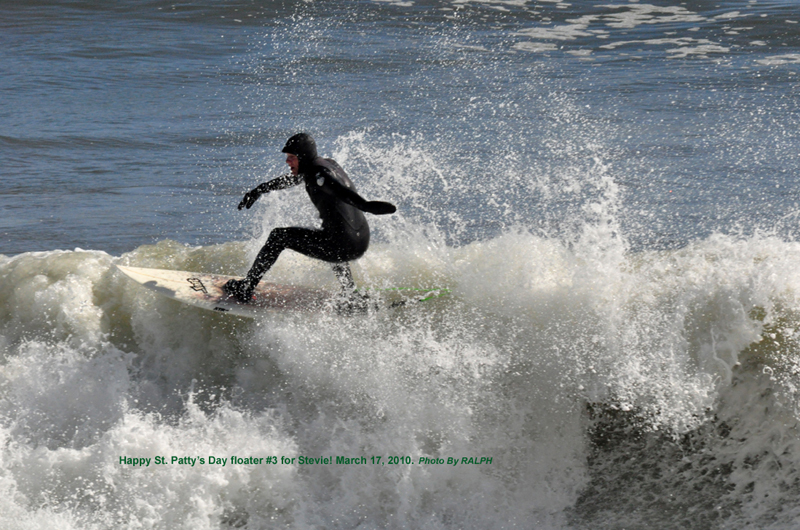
<point>344,235</point>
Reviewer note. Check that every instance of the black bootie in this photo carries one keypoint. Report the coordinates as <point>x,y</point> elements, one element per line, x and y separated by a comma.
<point>241,290</point>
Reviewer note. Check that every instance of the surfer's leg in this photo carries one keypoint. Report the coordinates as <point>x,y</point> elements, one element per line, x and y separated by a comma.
<point>267,256</point>
<point>345,277</point>
<point>319,244</point>
<point>350,300</point>
<point>313,243</point>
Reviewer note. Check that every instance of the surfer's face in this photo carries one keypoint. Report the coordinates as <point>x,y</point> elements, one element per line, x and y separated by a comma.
<point>294,163</point>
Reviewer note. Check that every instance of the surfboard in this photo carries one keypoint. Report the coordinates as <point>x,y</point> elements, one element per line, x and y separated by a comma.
<point>206,291</point>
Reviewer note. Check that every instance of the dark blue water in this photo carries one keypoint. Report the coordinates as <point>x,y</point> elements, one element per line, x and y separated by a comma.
<point>146,121</point>
<point>609,189</point>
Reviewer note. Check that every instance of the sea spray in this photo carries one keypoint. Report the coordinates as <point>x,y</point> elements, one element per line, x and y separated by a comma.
<point>556,350</point>
<point>703,341</point>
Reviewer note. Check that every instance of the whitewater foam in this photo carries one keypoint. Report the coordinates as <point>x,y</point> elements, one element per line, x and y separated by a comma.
<point>96,368</point>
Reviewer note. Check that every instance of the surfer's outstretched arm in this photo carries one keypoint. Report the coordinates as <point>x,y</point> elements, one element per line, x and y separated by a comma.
<point>279,183</point>
<point>352,198</point>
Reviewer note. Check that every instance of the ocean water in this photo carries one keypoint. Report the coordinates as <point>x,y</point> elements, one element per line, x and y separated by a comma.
<point>608,188</point>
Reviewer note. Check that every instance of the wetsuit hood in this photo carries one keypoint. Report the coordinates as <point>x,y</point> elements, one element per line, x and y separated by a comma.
<point>302,146</point>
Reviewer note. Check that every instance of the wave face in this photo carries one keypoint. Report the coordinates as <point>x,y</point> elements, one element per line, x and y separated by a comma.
<point>605,388</point>
<point>605,189</point>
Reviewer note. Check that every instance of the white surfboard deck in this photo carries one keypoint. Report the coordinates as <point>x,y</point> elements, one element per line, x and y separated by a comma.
<point>205,290</point>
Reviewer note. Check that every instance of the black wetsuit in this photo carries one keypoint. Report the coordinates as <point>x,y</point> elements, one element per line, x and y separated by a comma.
<point>345,233</point>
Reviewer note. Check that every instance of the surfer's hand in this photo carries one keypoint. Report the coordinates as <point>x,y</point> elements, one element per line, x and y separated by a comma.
<point>380,208</point>
<point>250,198</point>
